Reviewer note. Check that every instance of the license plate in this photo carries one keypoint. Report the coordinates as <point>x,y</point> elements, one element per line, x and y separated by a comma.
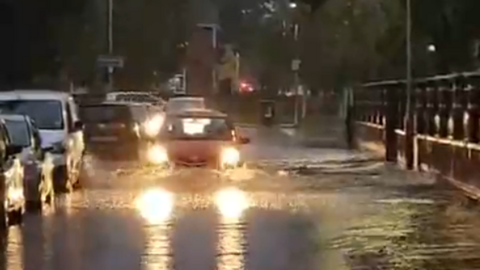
<point>104,139</point>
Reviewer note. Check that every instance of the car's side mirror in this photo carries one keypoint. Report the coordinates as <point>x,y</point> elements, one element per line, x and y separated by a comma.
<point>47,149</point>
<point>77,126</point>
<point>244,140</point>
<point>14,149</point>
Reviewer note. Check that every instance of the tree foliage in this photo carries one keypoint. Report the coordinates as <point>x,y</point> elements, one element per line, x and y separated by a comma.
<point>53,39</point>
<point>345,41</point>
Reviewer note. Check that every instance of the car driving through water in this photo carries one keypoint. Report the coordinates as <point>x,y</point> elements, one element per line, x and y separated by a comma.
<point>38,165</point>
<point>199,138</point>
<point>61,131</point>
<point>120,130</point>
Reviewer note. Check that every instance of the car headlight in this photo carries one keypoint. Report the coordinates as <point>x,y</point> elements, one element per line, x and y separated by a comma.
<point>152,126</point>
<point>230,156</point>
<point>157,154</point>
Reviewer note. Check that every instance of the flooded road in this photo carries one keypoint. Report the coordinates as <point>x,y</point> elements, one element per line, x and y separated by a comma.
<point>290,208</point>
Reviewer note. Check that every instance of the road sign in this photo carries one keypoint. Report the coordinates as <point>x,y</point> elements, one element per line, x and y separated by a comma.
<point>296,64</point>
<point>110,61</point>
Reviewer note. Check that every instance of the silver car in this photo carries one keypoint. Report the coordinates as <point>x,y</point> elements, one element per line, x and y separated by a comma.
<point>38,166</point>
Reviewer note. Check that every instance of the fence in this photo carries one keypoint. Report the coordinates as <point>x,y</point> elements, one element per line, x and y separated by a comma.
<point>446,115</point>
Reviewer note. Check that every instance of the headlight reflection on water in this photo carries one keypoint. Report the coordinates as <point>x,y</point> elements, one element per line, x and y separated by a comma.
<point>231,202</point>
<point>155,205</point>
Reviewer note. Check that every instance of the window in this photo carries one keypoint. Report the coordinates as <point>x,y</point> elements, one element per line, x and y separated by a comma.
<point>47,114</point>
<point>3,142</point>
<point>197,128</point>
<point>18,132</point>
<point>106,114</point>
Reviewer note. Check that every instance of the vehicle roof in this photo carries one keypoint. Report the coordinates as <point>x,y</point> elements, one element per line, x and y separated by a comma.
<point>199,113</point>
<point>186,98</point>
<point>118,103</point>
<point>129,93</point>
<point>14,117</point>
<point>34,95</point>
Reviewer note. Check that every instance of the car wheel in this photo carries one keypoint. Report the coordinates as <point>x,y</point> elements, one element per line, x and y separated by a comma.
<point>4,218</point>
<point>51,198</point>
<point>80,176</point>
<point>34,206</point>
<point>15,217</point>
<point>62,179</point>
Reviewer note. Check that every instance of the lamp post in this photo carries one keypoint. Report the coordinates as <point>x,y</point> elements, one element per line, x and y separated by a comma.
<point>214,28</point>
<point>109,69</point>
<point>295,68</point>
<point>409,124</point>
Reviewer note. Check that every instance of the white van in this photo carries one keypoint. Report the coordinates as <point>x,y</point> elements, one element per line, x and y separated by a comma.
<point>56,116</point>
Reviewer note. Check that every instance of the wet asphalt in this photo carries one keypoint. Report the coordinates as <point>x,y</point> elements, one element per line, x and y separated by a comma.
<point>288,208</point>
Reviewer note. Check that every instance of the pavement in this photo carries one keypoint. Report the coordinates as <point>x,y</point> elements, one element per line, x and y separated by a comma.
<point>289,208</point>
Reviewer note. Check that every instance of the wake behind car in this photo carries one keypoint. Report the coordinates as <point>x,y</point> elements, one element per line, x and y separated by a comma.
<point>118,129</point>
<point>38,165</point>
<point>198,138</point>
<point>56,117</point>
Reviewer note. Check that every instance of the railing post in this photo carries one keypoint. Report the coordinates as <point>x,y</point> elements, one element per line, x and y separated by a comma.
<point>459,108</point>
<point>474,110</point>
<point>410,129</point>
<point>420,118</point>
<point>443,108</point>
<point>431,109</point>
<point>391,122</point>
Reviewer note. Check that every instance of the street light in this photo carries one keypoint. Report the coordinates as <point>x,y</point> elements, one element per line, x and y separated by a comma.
<point>409,125</point>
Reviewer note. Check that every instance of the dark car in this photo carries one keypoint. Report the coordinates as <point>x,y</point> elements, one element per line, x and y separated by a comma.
<point>198,138</point>
<point>38,165</point>
<point>119,130</point>
<point>12,199</point>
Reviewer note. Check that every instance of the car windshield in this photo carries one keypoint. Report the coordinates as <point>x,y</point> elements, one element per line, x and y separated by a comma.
<point>185,104</point>
<point>106,114</point>
<point>196,128</point>
<point>18,133</point>
<point>47,114</point>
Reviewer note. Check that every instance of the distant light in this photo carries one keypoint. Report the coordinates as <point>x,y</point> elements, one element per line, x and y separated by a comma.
<point>293,5</point>
<point>431,48</point>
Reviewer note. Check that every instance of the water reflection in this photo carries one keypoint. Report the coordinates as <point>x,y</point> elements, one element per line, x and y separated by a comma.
<point>231,203</point>
<point>155,205</point>
<point>34,250</point>
<point>231,245</point>
<point>15,249</point>
<point>158,249</point>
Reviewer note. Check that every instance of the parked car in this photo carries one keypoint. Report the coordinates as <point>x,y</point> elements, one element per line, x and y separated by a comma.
<point>61,131</point>
<point>38,165</point>
<point>119,130</point>
<point>12,199</point>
